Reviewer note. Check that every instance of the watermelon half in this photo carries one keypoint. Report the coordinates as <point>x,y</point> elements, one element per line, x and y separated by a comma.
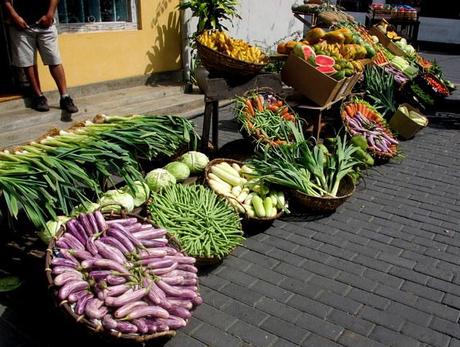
<point>326,69</point>
<point>324,60</point>
<point>305,52</point>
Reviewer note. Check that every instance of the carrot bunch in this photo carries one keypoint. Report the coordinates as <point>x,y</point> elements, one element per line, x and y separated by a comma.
<point>379,58</point>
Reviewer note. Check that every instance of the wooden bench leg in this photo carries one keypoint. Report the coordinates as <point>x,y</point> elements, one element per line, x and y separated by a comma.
<point>317,126</point>
<point>206,126</point>
<point>215,125</point>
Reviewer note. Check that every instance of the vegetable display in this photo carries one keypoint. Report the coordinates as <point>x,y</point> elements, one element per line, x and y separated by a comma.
<point>250,196</point>
<point>399,77</point>
<point>380,88</point>
<point>361,119</point>
<point>266,118</point>
<point>205,225</point>
<point>57,173</point>
<point>123,275</point>
<point>195,161</point>
<point>158,179</point>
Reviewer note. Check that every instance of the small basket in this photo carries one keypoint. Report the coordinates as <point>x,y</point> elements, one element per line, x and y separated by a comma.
<point>247,222</point>
<point>221,63</point>
<point>323,204</point>
<point>98,328</point>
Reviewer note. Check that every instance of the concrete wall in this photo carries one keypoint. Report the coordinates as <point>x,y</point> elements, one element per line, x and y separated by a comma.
<point>91,57</point>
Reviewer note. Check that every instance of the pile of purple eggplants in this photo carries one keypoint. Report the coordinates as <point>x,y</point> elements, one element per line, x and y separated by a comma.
<point>124,275</point>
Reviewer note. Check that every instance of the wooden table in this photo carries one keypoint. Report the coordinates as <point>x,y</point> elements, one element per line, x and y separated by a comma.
<point>218,88</point>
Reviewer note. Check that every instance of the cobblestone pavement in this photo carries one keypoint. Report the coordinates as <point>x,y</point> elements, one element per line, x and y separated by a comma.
<point>384,270</point>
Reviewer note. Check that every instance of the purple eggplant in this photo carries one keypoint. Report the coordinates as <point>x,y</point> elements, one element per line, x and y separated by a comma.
<point>127,297</point>
<point>147,311</point>
<point>179,311</point>
<point>153,253</point>
<point>71,287</point>
<point>63,262</point>
<point>115,280</point>
<point>125,222</point>
<point>72,229</point>
<point>92,221</point>
<point>128,235</point>
<point>66,253</point>
<point>109,252</point>
<point>156,263</point>
<point>163,270</point>
<point>182,260</point>
<point>180,302</point>
<point>94,309</point>
<point>184,274</point>
<point>100,221</point>
<point>67,276</point>
<point>126,328</point>
<point>187,268</point>
<point>175,291</point>
<point>61,243</point>
<point>154,243</point>
<point>141,325</point>
<point>84,221</point>
<point>72,241</point>
<point>91,247</point>
<point>173,322</point>
<point>117,290</point>
<point>157,296</point>
<point>133,228</point>
<point>155,326</point>
<point>105,264</point>
<point>126,309</point>
<point>81,303</point>
<point>111,241</point>
<point>82,255</point>
<point>198,300</point>
<point>100,275</point>
<point>117,234</point>
<point>173,281</point>
<point>57,270</point>
<point>149,234</point>
<point>74,297</point>
<point>108,322</point>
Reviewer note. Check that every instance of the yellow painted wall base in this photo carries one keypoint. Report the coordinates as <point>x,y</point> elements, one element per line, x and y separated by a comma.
<point>93,57</point>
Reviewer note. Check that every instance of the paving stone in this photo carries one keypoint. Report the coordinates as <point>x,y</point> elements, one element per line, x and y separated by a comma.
<point>271,290</point>
<point>426,335</point>
<point>245,313</point>
<point>409,313</point>
<point>384,278</point>
<point>319,326</point>
<point>182,339</point>
<point>368,298</point>
<point>343,303</point>
<point>212,336</point>
<point>357,281</point>
<point>240,293</point>
<point>409,275</point>
<point>437,309</point>
<point>316,341</point>
<point>350,322</point>
<point>351,339</point>
<point>308,305</point>
<point>381,318</point>
<point>214,316</point>
<point>392,338</point>
<point>251,334</point>
<point>423,291</point>
<point>346,266</point>
<point>444,326</point>
<point>285,330</point>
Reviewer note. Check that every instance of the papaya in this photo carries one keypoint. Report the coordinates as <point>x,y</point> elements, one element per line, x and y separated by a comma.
<point>281,49</point>
<point>334,37</point>
<point>370,50</point>
<point>315,35</point>
<point>348,34</point>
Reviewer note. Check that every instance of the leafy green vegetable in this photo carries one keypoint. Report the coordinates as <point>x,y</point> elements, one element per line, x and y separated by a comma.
<point>380,87</point>
<point>196,161</point>
<point>179,170</point>
<point>158,179</point>
<point>9,283</point>
<point>116,200</point>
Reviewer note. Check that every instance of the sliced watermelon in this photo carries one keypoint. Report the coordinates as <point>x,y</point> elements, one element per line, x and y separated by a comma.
<point>326,69</point>
<point>305,52</point>
<point>324,60</point>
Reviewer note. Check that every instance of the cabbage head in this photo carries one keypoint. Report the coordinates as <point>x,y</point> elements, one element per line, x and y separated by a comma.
<point>179,170</point>
<point>158,179</point>
<point>116,200</point>
<point>51,228</point>
<point>196,161</point>
<point>140,194</point>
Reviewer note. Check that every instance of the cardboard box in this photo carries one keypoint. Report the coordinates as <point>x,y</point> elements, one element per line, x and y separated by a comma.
<point>406,127</point>
<point>386,42</point>
<point>316,86</point>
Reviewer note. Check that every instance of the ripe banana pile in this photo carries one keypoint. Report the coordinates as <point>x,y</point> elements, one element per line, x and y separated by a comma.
<point>222,42</point>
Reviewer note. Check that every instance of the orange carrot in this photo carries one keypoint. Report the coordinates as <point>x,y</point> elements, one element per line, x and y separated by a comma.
<point>249,108</point>
<point>349,111</point>
<point>279,103</point>
<point>260,103</point>
<point>284,110</point>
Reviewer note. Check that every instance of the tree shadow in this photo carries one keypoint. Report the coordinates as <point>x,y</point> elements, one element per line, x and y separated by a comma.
<point>167,40</point>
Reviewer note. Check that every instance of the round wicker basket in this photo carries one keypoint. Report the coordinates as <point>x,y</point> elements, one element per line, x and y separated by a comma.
<point>92,326</point>
<point>323,204</point>
<point>219,63</point>
<point>247,222</point>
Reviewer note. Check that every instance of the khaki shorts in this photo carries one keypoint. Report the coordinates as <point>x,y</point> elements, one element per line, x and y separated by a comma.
<point>25,43</point>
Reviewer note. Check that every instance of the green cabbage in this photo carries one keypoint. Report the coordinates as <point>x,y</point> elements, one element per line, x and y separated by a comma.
<point>116,200</point>
<point>158,179</point>
<point>51,228</point>
<point>85,207</point>
<point>179,170</point>
<point>140,194</point>
<point>196,161</point>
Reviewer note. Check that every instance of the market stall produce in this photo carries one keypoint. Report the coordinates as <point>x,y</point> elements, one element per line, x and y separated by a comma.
<point>205,225</point>
<point>380,87</point>
<point>122,276</point>
<point>362,119</point>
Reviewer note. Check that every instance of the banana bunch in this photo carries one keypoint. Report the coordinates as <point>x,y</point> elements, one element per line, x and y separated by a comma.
<point>238,49</point>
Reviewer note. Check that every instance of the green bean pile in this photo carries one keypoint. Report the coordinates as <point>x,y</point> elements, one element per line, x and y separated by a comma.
<point>204,224</point>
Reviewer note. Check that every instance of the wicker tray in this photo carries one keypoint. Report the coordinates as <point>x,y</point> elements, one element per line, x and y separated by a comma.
<point>247,222</point>
<point>220,63</point>
<point>93,327</point>
<point>323,204</point>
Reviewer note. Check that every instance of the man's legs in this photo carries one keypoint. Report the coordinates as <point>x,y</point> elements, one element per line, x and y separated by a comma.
<point>57,71</point>
<point>33,78</point>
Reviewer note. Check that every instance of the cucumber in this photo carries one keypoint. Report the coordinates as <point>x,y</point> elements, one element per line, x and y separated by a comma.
<point>274,212</point>
<point>274,198</point>
<point>219,188</point>
<point>246,170</point>
<point>249,198</point>
<point>225,176</point>
<point>236,191</point>
<point>268,206</point>
<point>228,168</point>
<point>218,179</point>
<point>281,203</point>
<point>249,211</point>
<point>238,206</point>
<point>243,195</point>
<point>258,205</point>
<point>236,167</point>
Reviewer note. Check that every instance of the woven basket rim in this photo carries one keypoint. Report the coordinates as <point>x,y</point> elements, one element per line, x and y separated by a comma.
<point>245,216</point>
<point>82,319</point>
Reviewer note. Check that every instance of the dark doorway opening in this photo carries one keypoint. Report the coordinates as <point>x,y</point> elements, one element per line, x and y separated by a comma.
<point>8,85</point>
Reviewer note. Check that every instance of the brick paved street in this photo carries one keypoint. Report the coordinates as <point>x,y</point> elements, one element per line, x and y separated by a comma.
<point>384,270</point>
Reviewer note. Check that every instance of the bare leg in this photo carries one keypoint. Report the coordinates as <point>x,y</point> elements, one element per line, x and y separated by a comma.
<point>32,76</point>
<point>57,71</point>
